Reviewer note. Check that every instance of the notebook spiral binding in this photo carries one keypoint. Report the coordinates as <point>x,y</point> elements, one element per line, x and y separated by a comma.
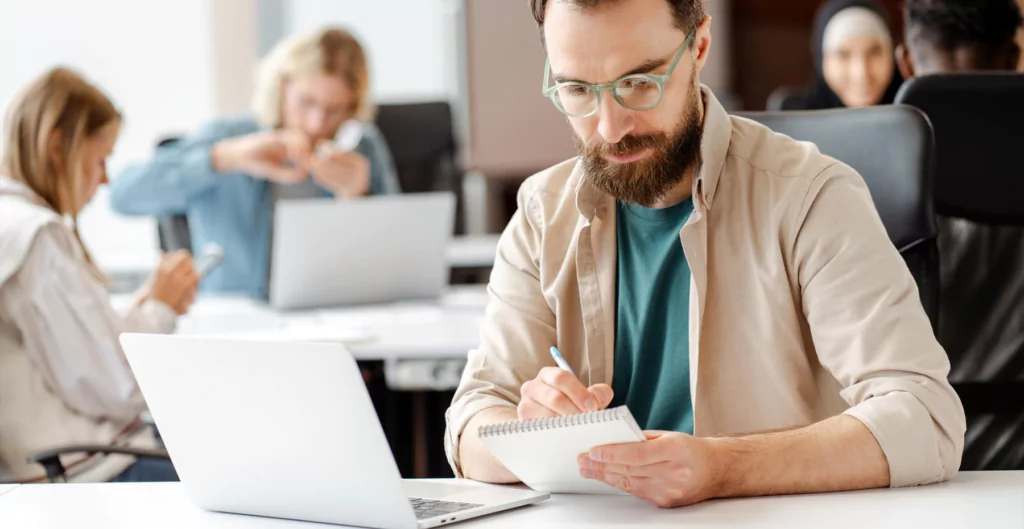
<point>550,423</point>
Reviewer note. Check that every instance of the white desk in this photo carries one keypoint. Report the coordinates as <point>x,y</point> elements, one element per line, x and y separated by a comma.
<point>6,488</point>
<point>443,329</point>
<point>992,500</point>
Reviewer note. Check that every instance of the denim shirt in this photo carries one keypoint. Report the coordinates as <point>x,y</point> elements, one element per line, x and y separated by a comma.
<point>234,210</point>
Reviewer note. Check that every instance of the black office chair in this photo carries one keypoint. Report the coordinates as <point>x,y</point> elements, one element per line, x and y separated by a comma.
<point>787,98</point>
<point>172,231</point>
<point>421,137</point>
<point>892,148</point>
<point>979,203</point>
<point>56,472</point>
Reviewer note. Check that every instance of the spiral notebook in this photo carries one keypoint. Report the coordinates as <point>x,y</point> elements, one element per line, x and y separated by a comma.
<point>543,452</point>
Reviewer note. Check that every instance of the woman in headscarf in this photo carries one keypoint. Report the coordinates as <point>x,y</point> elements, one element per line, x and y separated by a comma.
<point>854,65</point>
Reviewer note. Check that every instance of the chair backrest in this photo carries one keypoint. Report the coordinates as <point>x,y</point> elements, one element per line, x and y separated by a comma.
<point>892,149</point>
<point>978,129</point>
<point>172,231</point>
<point>979,201</point>
<point>787,98</point>
<point>421,137</point>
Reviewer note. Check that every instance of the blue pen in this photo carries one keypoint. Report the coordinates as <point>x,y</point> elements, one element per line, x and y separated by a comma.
<point>560,360</point>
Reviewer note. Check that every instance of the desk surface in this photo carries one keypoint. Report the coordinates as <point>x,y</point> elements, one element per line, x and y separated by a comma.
<point>443,329</point>
<point>991,500</point>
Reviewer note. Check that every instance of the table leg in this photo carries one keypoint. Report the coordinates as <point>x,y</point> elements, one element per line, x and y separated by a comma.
<point>420,463</point>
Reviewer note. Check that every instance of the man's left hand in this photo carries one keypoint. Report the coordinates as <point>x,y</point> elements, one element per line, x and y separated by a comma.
<point>669,469</point>
<point>346,174</point>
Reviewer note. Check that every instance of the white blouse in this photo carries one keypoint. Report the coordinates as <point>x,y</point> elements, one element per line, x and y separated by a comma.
<point>70,331</point>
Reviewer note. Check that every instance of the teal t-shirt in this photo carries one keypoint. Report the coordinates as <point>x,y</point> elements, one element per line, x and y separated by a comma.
<point>652,358</point>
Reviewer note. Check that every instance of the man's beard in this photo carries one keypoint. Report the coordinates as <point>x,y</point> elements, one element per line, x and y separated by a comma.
<point>648,180</point>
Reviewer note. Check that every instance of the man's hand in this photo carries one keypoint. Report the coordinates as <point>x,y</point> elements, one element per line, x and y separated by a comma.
<point>346,174</point>
<point>674,469</point>
<point>280,156</point>
<point>669,469</point>
<point>556,392</point>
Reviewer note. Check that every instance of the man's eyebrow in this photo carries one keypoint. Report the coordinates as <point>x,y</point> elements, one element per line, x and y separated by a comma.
<point>646,67</point>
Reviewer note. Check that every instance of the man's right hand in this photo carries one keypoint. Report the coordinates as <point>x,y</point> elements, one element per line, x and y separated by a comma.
<point>556,392</point>
<point>280,156</point>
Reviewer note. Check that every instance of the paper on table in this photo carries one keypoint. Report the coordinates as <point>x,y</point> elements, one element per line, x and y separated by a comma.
<point>397,315</point>
<point>466,298</point>
<point>311,333</point>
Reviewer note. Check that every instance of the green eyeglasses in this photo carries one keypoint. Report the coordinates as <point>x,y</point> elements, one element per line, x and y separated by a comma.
<point>640,91</point>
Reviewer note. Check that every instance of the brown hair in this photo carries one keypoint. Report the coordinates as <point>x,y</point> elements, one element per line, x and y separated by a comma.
<point>58,101</point>
<point>330,50</point>
<point>687,14</point>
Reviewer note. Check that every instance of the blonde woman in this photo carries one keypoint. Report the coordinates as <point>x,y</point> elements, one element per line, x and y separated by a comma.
<point>63,377</point>
<point>227,176</point>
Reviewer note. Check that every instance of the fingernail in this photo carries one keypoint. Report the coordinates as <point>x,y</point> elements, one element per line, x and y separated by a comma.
<point>590,405</point>
<point>596,456</point>
<point>586,473</point>
<point>585,462</point>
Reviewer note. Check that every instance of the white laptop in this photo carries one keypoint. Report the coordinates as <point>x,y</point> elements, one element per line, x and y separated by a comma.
<point>287,430</point>
<point>328,252</point>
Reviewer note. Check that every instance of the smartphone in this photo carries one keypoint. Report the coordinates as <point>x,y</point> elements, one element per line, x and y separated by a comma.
<point>212,256</point>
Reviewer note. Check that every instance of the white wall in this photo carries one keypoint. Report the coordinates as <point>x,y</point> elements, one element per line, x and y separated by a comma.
<point>409,42</point>
<point>153,58</point>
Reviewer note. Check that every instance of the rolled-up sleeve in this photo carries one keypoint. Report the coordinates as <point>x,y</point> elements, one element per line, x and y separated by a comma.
<point>518,330</point>
<point>871,332</point>
<point>175,174</point>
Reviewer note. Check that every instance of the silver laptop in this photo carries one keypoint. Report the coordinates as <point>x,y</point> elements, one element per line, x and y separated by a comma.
<point>287,430</point>
<point>328,252</point>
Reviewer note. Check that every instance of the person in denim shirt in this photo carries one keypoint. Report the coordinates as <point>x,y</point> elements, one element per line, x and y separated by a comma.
<point>227,176</point>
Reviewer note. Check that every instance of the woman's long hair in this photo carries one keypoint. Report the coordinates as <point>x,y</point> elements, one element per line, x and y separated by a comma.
<point>61,106</point>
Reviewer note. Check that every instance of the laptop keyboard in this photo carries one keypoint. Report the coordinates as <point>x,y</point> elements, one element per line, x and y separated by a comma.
<point>430,508</point>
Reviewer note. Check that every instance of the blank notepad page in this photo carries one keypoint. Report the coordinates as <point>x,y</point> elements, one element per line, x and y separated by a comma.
<point>543,452</point>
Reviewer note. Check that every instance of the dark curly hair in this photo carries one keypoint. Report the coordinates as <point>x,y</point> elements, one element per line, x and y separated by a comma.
<point>950,24</point>
<point>687,14</point>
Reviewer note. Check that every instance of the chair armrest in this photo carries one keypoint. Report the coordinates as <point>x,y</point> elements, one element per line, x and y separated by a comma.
<point>55,471</point>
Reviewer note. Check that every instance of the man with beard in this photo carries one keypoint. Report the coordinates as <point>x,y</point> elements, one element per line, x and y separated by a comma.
<point>733,287</point>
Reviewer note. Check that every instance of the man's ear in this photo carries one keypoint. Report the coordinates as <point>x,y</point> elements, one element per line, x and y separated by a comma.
<point>904,61</point>
<point>702,43</point>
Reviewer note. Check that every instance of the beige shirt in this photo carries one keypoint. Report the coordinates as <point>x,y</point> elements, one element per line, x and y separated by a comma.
<point>63,377</point>
<point>800,306</point>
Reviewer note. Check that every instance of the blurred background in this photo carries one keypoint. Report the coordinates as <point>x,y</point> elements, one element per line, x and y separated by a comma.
<point>171,65</point>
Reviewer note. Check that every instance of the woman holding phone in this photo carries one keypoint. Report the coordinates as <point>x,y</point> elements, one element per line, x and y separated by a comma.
<point>63,377</point>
